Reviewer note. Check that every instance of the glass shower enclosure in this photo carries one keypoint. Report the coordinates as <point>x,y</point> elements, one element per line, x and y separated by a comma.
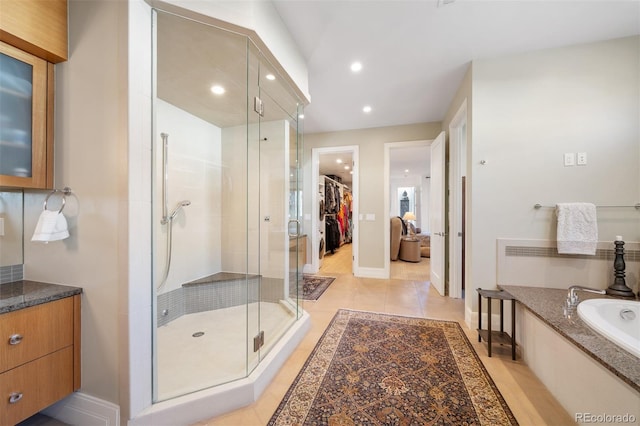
<point>226,205</point>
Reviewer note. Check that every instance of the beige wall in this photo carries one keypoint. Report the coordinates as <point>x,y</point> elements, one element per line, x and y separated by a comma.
<point>12,217</point>
<point>528,110</point>
<point>371,149</point>
<point>90,158</point>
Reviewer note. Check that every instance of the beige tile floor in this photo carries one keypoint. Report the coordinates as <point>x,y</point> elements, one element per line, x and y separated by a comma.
<point>403,294</point>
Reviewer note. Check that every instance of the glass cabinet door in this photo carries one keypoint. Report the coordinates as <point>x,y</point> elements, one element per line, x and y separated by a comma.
<point>23,118</point>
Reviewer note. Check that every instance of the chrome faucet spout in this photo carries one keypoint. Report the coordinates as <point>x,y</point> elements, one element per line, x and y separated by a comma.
<point>572,297</point>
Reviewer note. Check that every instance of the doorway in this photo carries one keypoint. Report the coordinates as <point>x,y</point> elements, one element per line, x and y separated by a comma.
<point>335,210</point>
<point>407,195</point>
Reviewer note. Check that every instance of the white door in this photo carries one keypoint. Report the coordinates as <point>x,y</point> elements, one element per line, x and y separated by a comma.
<point>437,213</point>
<point>457,171</point>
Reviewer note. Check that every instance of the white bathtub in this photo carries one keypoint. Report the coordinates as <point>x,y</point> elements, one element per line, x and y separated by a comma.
<point>617,320</point>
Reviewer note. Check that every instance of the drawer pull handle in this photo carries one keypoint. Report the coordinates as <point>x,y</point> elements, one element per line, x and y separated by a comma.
<point>15,339</point>
<point>15,397</point>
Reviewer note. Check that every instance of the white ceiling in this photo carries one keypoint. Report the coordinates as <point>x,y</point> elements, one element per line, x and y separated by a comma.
<point>415,53</point>
<point>330,166</point>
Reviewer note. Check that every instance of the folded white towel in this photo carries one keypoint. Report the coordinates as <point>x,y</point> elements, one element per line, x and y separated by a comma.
<point>51,226</point>
<point>577,228</point>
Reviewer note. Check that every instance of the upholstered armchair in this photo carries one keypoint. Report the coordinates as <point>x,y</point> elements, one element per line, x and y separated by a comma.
<point>396,237</point>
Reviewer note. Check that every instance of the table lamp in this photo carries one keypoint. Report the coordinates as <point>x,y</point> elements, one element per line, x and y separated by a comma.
<point>407,217</point>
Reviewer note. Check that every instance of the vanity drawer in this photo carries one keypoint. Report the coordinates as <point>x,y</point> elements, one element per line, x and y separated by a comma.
<point>33,332</point>
<point>35,385</point>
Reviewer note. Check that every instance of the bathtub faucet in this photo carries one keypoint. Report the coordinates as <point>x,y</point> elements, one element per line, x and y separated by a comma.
<point>572,297</point>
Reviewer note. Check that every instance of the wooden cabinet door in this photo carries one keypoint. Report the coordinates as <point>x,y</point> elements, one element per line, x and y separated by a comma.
<point>36,331</point>
<point>26,133</point>
<point>34,386</point>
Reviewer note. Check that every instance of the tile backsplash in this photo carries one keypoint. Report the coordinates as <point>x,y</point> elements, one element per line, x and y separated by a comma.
<point>11,273</point>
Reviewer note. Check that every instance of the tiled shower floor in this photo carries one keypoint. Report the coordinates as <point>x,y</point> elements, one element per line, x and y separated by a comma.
<point>188,364</point>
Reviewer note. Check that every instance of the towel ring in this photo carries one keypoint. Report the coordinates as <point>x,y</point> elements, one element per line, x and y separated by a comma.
<point>66,191</point>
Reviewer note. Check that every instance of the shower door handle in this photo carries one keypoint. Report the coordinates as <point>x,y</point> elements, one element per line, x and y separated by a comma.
<point>297,222</point>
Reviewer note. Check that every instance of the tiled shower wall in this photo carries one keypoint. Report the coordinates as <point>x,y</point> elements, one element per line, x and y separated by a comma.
<point>191,299</point>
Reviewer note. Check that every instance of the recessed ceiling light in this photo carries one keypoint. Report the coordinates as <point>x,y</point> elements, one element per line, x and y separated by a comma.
<point>217,89</point>
<point>339,161</point>
<point>351,172</point>
<point>366,109</point>
<point>406,170</point>
<point>270,77</point>
<point>356,67</point>
<point>346,167</point>
<point>301,116</point>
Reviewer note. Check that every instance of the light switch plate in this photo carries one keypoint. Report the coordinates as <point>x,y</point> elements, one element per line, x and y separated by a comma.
<point>569,159</point>
<point>582,159</point>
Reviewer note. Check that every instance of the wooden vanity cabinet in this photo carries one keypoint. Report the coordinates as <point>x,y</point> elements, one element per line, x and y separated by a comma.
<point>39,357</point>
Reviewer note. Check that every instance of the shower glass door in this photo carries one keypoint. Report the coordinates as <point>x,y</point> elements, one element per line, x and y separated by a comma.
<point>204,279</point>
<point>226,206</point>
<point>274,154</point>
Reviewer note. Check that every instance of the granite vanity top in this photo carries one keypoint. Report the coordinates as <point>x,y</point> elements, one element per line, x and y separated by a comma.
<point>546,304</point>
<point>22,294</point>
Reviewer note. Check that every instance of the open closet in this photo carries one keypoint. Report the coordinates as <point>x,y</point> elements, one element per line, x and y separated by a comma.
<point>338,201</point>
<point>335,195</point>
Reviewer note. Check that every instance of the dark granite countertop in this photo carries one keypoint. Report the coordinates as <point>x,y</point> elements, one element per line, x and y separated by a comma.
<point>22,294</point>
<point>546,304</point>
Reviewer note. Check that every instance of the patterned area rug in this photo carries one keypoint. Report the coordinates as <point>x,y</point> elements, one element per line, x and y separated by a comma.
<point>314,286</point>
<point>380,369</point>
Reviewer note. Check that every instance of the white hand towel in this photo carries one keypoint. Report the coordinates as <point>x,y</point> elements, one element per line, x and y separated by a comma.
<point>577,228</point>
<point>51,226</point>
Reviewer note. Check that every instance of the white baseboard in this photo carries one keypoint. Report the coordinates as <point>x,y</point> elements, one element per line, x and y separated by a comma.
<point>370,273</point>
<point>82,409</point>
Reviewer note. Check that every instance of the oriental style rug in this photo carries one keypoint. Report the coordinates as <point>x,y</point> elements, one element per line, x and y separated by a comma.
<point>380,369</point>
<point>314,286</point>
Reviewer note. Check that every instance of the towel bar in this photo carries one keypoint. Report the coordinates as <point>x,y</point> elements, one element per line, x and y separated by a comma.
<point>635,206</point>
<point>65,191</point>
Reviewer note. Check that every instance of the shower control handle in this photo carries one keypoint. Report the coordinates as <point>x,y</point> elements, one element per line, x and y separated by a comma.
<point>297,222</point>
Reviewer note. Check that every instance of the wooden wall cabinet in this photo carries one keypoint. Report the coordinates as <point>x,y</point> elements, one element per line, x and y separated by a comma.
<point>38,27</point>
<point>39,357</point>
<point>35,32</point>
<point>26,133</point>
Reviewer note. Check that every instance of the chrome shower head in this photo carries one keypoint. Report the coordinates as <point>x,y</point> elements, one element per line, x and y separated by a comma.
<point>180,205</point>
